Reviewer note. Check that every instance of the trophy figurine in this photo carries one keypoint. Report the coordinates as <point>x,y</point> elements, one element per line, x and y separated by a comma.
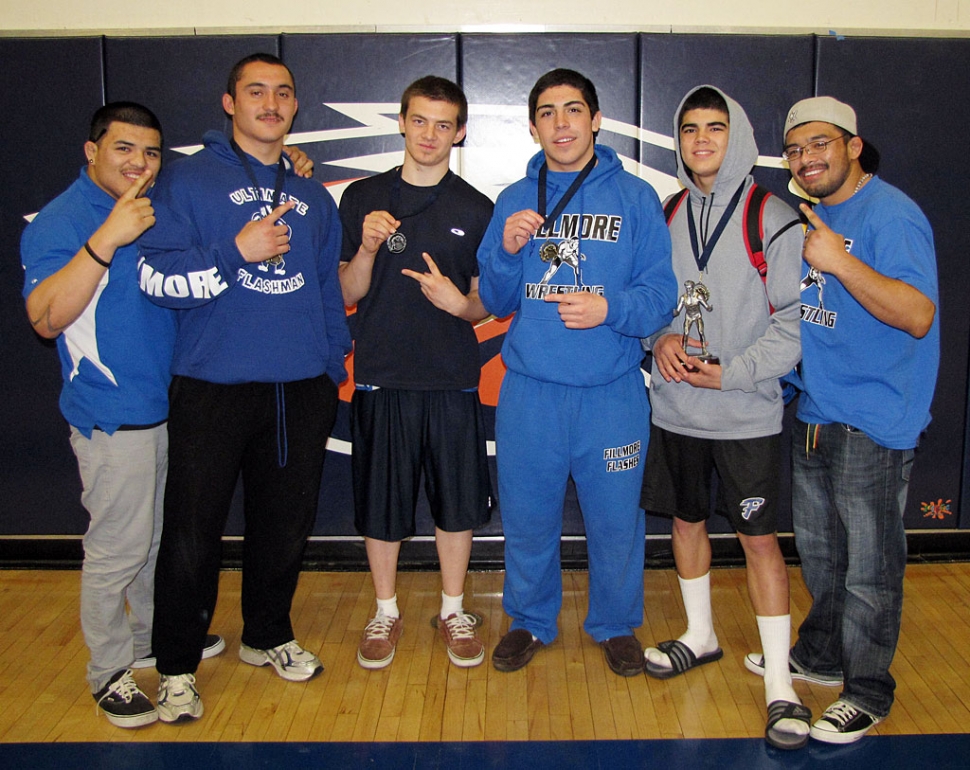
<point>696,297</point>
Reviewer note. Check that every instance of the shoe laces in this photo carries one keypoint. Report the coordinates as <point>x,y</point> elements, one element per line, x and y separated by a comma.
<point>461,626</point>
<point>379,627</point>
<point>170,683</point>
<point>124,687</point>
<point>290,651</point>
<point>841,712</point>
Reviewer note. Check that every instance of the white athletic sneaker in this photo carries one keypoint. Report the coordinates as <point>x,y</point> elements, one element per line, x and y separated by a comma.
<point>290,660</point>
<point>178,699</point>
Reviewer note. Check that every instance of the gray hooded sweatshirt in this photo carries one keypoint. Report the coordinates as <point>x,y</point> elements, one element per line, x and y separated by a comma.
<point>755,346</point>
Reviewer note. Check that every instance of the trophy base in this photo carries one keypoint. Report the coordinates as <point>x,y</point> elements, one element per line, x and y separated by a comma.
<point>707,358</point>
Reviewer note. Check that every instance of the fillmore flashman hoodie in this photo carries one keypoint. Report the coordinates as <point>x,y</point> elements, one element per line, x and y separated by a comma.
<point>276,321</point>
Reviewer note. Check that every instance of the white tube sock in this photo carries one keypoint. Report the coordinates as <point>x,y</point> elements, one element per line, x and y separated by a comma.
<point>451,604</point>
<point>388,607</point>
<point>775,631</point>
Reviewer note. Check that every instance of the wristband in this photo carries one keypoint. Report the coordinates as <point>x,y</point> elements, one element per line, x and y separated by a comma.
<point>95,257</point>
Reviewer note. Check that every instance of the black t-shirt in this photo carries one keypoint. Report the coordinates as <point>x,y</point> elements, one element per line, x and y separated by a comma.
<point>401,340</point>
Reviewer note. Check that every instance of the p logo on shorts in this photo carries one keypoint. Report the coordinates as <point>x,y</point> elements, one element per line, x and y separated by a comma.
<point>750,506</point>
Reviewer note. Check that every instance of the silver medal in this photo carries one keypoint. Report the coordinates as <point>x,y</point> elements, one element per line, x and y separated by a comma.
<point>397,243</point>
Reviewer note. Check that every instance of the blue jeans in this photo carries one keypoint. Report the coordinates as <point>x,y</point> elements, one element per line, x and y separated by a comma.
<point>848,496</point>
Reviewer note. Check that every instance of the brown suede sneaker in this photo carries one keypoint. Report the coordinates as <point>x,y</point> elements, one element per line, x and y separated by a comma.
<point>377,645</point>
<point>514,650</point>
<point>624,654</point>
<point>464,647</point>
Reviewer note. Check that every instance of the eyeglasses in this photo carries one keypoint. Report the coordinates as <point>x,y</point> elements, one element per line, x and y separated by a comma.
<point>812,148</point>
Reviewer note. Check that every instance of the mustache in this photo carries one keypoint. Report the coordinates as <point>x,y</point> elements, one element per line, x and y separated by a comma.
<point>813,167</point>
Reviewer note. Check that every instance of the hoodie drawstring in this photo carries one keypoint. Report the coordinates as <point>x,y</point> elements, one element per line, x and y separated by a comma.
<point>705,221</point>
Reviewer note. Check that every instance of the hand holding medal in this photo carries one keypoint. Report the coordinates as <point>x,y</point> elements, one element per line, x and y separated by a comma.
<point>519,229</point>
<point>379,227</point>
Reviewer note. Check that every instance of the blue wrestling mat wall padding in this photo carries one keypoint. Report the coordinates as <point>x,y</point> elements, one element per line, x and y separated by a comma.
<point>349,86</point>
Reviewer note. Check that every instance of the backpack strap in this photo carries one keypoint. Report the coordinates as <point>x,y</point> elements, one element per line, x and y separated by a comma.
<point>673,203</point>
<point>754,231</point>
<point>754,228</point>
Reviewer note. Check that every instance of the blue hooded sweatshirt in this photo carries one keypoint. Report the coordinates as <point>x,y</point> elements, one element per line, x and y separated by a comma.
<point>276,321</point>
<point>610,240</point>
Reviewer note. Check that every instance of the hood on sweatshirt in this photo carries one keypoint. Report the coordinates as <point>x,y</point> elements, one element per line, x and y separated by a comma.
<point>221,145</point>
<point>607,164</point>
<point>741,154</point>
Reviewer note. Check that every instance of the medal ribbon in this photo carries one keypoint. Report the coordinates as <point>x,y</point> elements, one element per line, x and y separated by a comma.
<point>280,175</point>
<point>570,192</point>
<point>703,259</point>
<point>435,192</point>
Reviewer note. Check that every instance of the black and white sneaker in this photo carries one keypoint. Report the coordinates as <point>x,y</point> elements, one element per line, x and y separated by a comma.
<point>843,723</point>
<point>755,663</point>
<point>214,644</point>
<point>124,703</point>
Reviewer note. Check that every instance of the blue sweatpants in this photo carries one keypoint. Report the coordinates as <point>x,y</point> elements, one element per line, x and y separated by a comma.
<point>544,433</point>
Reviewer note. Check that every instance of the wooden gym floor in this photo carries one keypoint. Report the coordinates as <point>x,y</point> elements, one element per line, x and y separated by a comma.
<point>567,693</point>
